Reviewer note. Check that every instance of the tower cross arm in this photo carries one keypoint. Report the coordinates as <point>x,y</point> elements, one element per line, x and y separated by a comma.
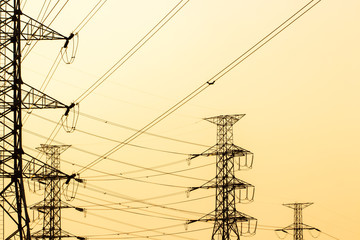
<point>300,226</point>
<point>34,30</point>
<point>35,169</point>
<point>35,99</point>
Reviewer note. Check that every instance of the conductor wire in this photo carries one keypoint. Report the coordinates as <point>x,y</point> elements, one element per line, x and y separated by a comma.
<point>208,83</point>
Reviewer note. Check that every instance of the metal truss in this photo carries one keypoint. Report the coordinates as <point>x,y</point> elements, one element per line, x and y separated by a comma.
<point>16,27</point>
<point>228,222</point>
<point>52,204</point>
<point>298,226</point>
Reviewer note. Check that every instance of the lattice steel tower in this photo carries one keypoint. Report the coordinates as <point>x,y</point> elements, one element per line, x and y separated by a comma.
<point>52,204</point>
<point>298,226</point>
<point>15,95</point>
<point>226,218</point>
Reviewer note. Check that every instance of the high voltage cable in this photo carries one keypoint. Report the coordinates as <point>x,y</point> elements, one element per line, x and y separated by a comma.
<point>145,209</point>
<point>135,226</point>
<point>136,130</point>
<point>46,82</point>
<point>97,226</point>
<point>168,216</point>
<point>161,205</point>
<point>89,16</point>
<point>208,83</point>
<point>131,199</point>
<point>139,231</point>
<point>162,235</point>
<point>153,169</point>
<point>113,140</point>
<point>133,50</point>
<point>43,20</point>
<point>149,204</point>
<point>136,178</point>
<point>155,175</point>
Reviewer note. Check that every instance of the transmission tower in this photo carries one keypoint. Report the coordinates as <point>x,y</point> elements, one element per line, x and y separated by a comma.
<point>52,204</point>
<point>15,95</point>
<point>298,226</point>
<point>228,222</point>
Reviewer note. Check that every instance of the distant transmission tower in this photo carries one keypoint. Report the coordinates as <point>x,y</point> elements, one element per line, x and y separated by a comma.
<point>15,95</point>
<point>298,226</point>
<point>52,204</point>
<point>227,220</point>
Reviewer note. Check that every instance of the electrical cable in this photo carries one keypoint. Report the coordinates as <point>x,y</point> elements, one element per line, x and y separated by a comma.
<point>162,235</point>
<point>97,189</point>
<point>42,8</point>
<point>162,205</point>
<point>43,20</point>
<point>97,226</point>
<point>127,207</point>
<point>330,235</point>
<point>153,169</point>
<point>82,24</point>
<point>133,50</point>
<point>136,130</point>
<point>134,145</point>
<point>208,83</point>
<point>44,85</point>
<point>169,217</point>
<point>138,45</point>
<point>155,175</point>
<point>125,223</point>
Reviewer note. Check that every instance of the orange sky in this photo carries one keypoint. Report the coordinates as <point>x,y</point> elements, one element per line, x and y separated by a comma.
<point>300,94</point>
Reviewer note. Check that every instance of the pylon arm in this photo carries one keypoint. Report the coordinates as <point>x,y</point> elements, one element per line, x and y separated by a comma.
<point>40,205</point>
<point>204,186</point>
<point>39,235</point>
<point>35,30</point>
<point>35,99</point>
<point>208,152</point>
<point>239,217</point>
<point>35,169</point>
<point>301,226</point>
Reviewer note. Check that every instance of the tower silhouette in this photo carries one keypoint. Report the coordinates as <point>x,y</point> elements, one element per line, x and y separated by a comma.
<point>15,95</point>
<point>225,216</point>
<point>298,226</point>
<point>52,204</point>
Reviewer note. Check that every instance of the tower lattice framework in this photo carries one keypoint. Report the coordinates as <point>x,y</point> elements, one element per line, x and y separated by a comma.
<point>228,222</point>
<point>15,95</point>
<point>52,204</point>
<point>298,226</point>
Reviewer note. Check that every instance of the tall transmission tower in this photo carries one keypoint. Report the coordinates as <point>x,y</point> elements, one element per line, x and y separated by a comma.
<point>15,95</point>
<point>52,204</point>
<point>228,222</point>
<point>298,226</point>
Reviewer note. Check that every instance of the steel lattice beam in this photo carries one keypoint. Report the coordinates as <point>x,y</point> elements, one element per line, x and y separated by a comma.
<point>14,28</point>
<point>298,226</point>
<point>225,216</point>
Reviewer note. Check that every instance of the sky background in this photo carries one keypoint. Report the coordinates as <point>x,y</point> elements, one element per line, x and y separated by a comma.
<point>300,94</point>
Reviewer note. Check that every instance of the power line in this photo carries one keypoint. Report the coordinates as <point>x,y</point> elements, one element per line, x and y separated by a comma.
<point>157,175</point>
<point>122,162</point>
<point>155,205</point>
<point>133,50</point>
<point>89,16</point>
<point>127,207</point>
<point>168,216</point>
<point>208,83</point>
<point>162,235</point>
<point>99,227</point>
<point>136,130</point>
<point>134,145</point>
<point>43,20</point>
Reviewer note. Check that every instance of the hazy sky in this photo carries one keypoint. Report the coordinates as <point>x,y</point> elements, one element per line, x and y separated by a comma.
<point>300,94</point>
